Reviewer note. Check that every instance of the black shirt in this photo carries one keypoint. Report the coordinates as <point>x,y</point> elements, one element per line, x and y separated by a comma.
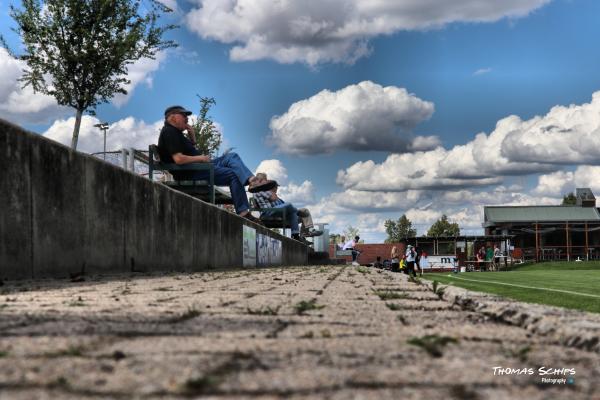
<point>172,141</point>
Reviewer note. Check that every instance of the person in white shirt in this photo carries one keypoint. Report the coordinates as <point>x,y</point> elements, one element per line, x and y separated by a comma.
<point>349,245</point>
<point>411,254</point>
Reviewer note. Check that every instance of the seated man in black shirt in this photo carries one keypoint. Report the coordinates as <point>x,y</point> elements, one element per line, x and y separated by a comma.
<point>229,169</point>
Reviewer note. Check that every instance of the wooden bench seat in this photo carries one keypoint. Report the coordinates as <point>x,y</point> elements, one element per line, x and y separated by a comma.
<point>201,189</point>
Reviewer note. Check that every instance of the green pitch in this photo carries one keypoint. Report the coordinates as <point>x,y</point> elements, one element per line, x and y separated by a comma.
<point>564,284</point>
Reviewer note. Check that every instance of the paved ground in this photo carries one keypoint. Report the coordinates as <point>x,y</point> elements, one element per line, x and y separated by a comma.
<point>303,332</point>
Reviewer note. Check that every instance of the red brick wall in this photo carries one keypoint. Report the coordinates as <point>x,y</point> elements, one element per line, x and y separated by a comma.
<point>369,252</point>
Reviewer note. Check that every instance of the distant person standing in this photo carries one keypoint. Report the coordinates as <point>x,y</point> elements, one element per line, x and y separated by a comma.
<point>418,260</point>
<point>481,257</point>
<point>497,255</point>
<point>351,245</point>
<point>489,257</point>
<point>395,256</point>
<point>410,260</point>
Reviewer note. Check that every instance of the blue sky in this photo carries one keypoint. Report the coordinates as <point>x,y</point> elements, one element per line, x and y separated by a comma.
<point>368,111</point>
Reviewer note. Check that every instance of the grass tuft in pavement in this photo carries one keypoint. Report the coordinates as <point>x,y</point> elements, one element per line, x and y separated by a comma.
<point>389,294</point>
<point>268,310</point>
<point>191,312</point>
<point>305,306</point>
<point>432,344</point>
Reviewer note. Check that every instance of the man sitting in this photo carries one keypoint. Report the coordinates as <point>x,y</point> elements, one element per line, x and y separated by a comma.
<point>267,197</point>
<point>229,169</point>
<point>350,245</point>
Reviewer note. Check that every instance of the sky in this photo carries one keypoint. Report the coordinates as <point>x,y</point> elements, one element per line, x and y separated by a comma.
<point>368,110</point>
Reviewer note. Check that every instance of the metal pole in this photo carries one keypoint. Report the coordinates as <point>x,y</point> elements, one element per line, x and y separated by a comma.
<point>124,158</point>
<point>132,159</point>
<point>104,143</point>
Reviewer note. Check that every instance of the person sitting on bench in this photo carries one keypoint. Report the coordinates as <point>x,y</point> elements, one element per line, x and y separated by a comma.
<point>268,198</point>
<point>229,169</point>
<point>350,245</point>
<point>265,193</point>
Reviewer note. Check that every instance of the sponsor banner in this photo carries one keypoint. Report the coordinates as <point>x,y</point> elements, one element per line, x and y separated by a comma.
<point>438,262</point>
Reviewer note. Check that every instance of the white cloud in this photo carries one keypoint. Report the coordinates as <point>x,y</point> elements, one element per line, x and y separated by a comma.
<point>482,71</point>
<point>274,170</point>
<point>564,136</point>
<point>125,133</point>
<point>139,73</point>
<point>314,32</point>
<point>560,183</point>
<point>22,105</point>
<point>288,191</point>
<point>360,117</point>
<point>298,194</point>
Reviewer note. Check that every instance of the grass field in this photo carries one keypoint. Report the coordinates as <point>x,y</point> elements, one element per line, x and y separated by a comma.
<point>564,284</point>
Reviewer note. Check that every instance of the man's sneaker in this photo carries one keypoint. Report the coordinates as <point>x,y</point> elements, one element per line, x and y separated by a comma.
<point>312,232</point>
<point>355,263</point>
<point>299,238</point>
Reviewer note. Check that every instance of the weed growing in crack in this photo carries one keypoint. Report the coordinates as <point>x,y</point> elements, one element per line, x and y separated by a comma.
<point>308,335</point>
<point>414,280</point>
<point>77,303</point>
<point>71,351</point>
<point>389,294</point>
<point>3,354</point>
<point>201,385</point>
<point>432,344</point>
<point>521,354</point>
<point>304,306</point>
<point>438,290</point>
<point>393,306</point>
<point>326,333</point>
<point>363,270</point>
<point>191,312</point>
<point>60,382</point>
<point>268,310</point>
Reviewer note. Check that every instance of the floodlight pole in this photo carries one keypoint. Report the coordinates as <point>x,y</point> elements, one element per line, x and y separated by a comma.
<point>103,127</point>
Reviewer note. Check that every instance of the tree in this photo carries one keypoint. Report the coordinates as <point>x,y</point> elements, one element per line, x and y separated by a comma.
<point>78,50</point>
<point>399,230</point>
<point>569,199</point>
<point>443,228</point>
<point>208,138</point>
<point>350,232</point>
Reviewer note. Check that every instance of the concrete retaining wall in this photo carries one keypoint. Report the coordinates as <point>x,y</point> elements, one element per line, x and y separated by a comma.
<point>63,212</point>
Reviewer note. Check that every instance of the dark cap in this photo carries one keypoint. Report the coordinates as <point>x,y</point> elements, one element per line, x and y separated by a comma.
<point>176,109</point>
<point>356,237</point>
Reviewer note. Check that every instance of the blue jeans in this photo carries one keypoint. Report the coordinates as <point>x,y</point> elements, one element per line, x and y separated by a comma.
<point>291,215</point>
<point>231,171</point>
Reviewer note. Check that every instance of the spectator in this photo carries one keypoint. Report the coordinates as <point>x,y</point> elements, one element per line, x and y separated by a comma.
<point>410,260</point>
<point>497,255</point>
<point>351,245</point>
<point>395,256</point>
<point>268,198</point>
<point>418,260</point>
<point>481,257</point>
<point>378,263</point>
<point>489,256</point>
<point>229,169</point>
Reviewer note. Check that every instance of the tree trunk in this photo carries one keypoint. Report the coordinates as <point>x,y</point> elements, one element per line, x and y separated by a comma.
<point>76,129</point>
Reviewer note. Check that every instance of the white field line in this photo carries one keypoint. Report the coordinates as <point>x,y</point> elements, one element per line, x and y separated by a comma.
<point>527,287</point>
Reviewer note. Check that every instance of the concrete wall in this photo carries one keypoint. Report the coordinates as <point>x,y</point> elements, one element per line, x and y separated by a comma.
<point>63,212</point>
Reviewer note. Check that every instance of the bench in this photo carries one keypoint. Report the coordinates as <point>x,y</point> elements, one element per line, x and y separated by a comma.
<point>201,189</point>
<point>339,252</point>
<point>278,220</point>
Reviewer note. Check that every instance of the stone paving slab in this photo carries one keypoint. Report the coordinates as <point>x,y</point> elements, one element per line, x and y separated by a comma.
<point>333,332</point>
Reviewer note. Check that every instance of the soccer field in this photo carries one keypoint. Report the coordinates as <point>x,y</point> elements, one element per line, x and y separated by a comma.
<point>564,284</point>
